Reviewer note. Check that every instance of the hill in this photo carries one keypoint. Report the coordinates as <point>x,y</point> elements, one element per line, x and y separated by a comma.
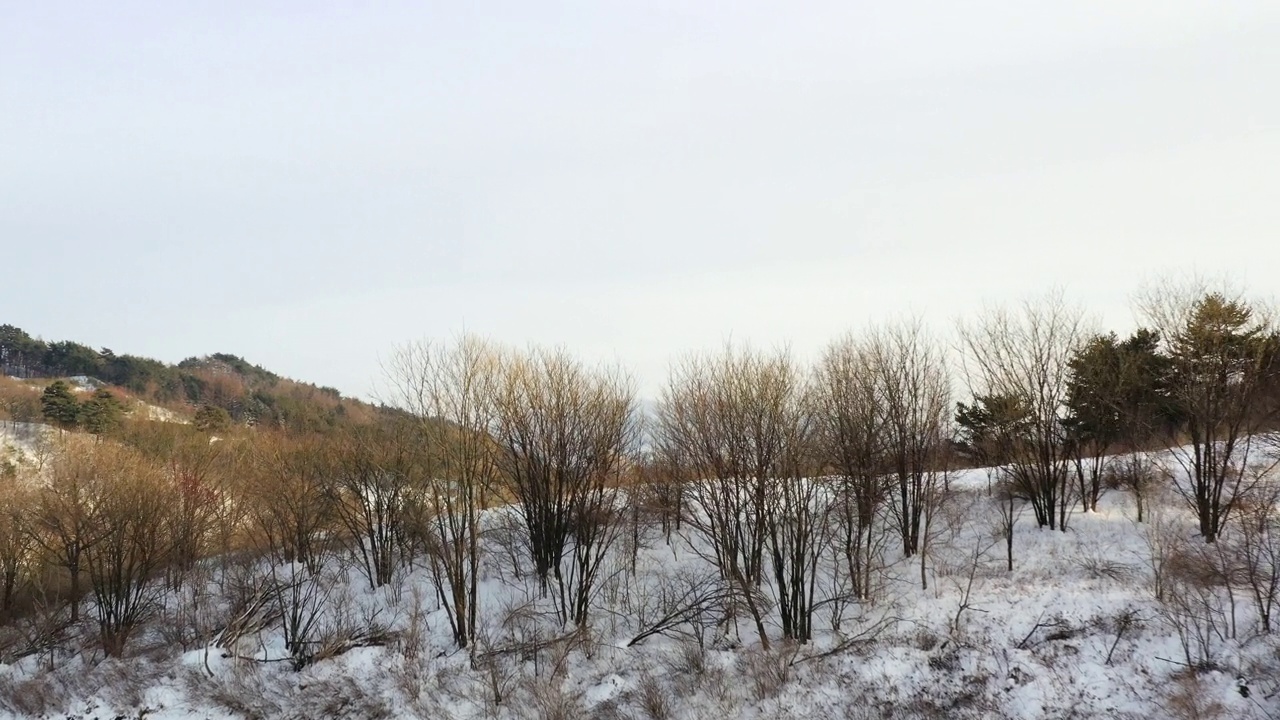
<point>248,393</point>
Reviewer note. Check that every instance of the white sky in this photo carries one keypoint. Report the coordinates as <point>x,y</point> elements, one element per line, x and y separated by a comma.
<point>308,184</point>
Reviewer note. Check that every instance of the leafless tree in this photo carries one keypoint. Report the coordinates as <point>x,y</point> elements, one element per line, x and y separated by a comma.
<point>1193,603</point>
<point>286,495</point>
<point>1136,472</point>
<point>375,472</point>
<point>64,518</point>
<point>450,390</point>
<point>197,471</point>
<point>1089,461</point>
<point>298,597</point>
<point>797,517</point>
<point>935,498</point>
<point>915,393</point>
<point>1024,354</point>
<point>684,599</point>
<point>16,540</point>
<point>1009,509</point>
<point>1225,363</point>
<point>563,431</point>
<point>1254,547</point>
<point>850,433</point>
<point>132,543</point>
<point>736,426</point>
<point>659,494</point>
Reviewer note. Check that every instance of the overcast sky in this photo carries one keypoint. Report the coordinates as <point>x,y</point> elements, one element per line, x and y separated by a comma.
<point>309,184</point>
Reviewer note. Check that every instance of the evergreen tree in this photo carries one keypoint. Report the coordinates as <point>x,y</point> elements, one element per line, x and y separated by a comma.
<point>1093,390</point>
<point>60,406</point>
<point>70,358</point>
<point>1118,391</point>
<point>212,419</point>
<point>102,413</point>
<point>1222,361</point>
<point>19,353</point>
<point>990,428</point>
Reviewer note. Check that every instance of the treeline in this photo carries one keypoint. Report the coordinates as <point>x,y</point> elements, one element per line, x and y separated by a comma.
<point>247,393</point>
<point>796,485</point>
<point>1052,400</point>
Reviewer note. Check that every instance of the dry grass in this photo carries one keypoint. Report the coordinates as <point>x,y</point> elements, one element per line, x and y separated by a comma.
<point>1098,567</point>
<point>653,699</point>
<point>1188,699</point>
<point>769,671</point>
<point>38,696</point>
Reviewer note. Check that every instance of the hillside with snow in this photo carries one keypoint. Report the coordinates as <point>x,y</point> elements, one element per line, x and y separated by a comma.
<point>24,444</point>
<point>1086,625</point>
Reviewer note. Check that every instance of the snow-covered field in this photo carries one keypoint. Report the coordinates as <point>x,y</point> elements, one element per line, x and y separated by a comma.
<point>1074,631</point>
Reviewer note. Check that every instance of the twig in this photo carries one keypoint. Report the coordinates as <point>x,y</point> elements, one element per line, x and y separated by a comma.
<point>1036,627</point>
<point>1127,619</point>
<point>868,635</point>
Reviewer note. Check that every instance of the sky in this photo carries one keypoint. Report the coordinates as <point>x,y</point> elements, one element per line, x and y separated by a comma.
<point>311,184</point>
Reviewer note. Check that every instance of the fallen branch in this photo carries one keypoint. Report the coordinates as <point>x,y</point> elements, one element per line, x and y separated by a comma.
<point>1127,619</point>
<point>868,635</point>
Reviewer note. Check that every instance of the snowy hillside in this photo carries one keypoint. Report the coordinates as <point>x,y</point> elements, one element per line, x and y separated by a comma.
<point>24,444</point>
<point>1074,631</point>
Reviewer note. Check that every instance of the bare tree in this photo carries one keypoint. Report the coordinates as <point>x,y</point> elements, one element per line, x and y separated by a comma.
<point>935,498</point>
<point>797,516</point>
<point>1089,460</point>
<point>1223,355</point>
<point>1136,472</point>
<point>915,393</point>
<point>850,433</point>
<point>683,599</point>
<point>450,390</point>
<point>131,545</point>
<point>659,495</point>
<point>562,432</point>
<point>1255,549</point>
<point>735,425</point>
<point>375,472</point>
<point>287,496</point>
<point>1025,355</point>
<point>299,597</point>
<point>197,471</point>
<point>64,517</point>
<point>16,541</point>
<point>1193,603</point>
<point>209,509</point>
<point>1009,510</point>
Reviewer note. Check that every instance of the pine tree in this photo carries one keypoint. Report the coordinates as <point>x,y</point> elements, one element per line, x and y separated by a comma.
<point>991,429</point>
<point>1222,361</point>
<point>1114,398</point>
<point>102,413</point>
<point>60,406</point>
<point>213,419</point>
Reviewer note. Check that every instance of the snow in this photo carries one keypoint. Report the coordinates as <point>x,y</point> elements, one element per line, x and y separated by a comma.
<point>83,384</point>
<point>932,659</point>
<point>24,444</point>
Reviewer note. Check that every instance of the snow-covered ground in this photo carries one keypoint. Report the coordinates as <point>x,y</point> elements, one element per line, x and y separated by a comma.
<point>83,384</point>
<point>1074,631</point>
<point>24,444</point>
<point>159,414</point>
